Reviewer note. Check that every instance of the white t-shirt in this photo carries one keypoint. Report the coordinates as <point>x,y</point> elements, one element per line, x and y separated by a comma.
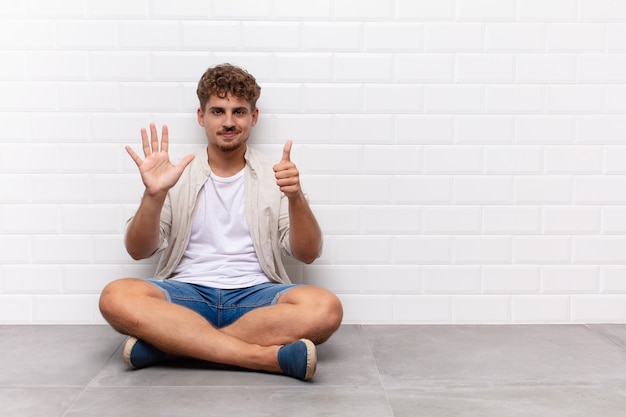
<point>220,253</point>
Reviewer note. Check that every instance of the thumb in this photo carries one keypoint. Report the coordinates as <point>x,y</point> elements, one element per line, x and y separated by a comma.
<point>287,151</point>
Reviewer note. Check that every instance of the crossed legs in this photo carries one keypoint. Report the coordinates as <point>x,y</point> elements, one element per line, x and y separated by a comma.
<point>140,309</point>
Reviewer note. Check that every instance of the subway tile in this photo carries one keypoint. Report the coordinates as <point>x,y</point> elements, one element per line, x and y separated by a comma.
<point>274,36</point>
<point>148,35</point>
<point>457,37</point>
<point>543,129</point>
<point>415,309</point>
<point>482,249</point>
<point>510,279</point>
<point>556,10</point>
<point>514,99</point>
<point>397,159</point>
<point>569,279</point>
<point>435,129</point>
<point>361,129</point>
<point>363,9</point>
<point>118,9</point>
<point>515,37</point>
<point>541,309</point>
<point>451,280</point>
<point>601,10</point>
<point>536,189</point>
<point>394,99</point>
<point>476,189</point>
<point>509,219</point>
<point>574,99</point>
<point>417,250</point>
<point>574,160</point>
<point>331,36</point>
<point>396,220</point>
<point>287,9</point>
<point>393,36</point>
<point>577,37</point>
<point>427,68</point>
<point>451,220</point>
<point>356,67</point>
<point>443,10</point>
<point>180,9</point>
<point>91,34</point>
<point>542,250</point>
<point>514,160</point>
<point>304,128</point>
<point>485,68</point>
<point>546,68</point>
<point>119,66</point>
<point>396,279</point>
<point>486,10</point>
<point>224,9</point>
<point>206,35</point>
<point>487,309</point>
<point>484,129</point>
<point>423,189</point>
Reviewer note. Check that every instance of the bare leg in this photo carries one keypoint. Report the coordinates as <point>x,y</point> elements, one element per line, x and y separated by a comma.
<point>302,312</point>
<point>138,308</point>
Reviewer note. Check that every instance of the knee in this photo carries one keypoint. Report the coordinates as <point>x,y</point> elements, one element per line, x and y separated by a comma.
<point>334,311</point>
<point>330,314</point>
<point>116,299</point>
<point>111,298</point>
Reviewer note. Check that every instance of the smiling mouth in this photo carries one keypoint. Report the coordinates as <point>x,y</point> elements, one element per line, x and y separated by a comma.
<point>228,134</point>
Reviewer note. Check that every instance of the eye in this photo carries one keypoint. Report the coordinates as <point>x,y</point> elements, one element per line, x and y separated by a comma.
<point>217,111</point>
<point>240,112</point>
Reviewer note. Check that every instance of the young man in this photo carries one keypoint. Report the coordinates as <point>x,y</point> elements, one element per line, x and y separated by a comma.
<point>221,220</point>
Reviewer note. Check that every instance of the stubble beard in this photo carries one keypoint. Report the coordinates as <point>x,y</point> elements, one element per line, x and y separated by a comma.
<point>231,147</point>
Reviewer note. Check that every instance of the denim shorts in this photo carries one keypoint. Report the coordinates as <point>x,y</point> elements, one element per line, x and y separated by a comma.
<point>221,307</point>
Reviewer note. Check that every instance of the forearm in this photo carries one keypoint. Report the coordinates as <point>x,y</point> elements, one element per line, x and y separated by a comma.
<point>305,235</point>
<point>142,234</point>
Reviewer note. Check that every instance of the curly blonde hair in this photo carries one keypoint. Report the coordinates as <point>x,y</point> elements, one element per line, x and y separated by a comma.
<point>225,79</point>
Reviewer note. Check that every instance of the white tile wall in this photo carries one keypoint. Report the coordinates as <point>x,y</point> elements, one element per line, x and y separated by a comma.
<point>466,158</point>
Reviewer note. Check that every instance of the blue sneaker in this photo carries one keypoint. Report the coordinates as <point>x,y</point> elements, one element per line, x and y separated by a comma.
<point>298,359</point>
<point>139,354</point>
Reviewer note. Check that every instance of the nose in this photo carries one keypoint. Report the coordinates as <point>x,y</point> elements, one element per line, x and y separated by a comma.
<point>228,121</point>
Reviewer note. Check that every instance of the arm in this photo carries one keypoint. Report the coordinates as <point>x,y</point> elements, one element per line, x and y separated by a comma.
<point>158,175</point>
<point>305,236</point>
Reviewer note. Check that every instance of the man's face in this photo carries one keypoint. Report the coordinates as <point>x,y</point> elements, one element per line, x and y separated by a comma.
<point>227,122</point>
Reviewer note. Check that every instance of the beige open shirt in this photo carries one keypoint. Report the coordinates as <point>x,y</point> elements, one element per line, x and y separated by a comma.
<point>266,210</point>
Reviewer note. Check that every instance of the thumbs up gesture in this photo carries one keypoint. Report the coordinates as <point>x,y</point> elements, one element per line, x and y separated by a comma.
<point>287,175</point>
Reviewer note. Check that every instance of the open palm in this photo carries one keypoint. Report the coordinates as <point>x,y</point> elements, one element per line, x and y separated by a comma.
<point>157,172</point>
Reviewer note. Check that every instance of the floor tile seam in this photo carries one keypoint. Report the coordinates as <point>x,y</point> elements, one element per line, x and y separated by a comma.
<point>306,385</point>
<point>376,368</point>
<point>31,386</point>
<point>451,384</point>
<point>74,401</point>
<point>608,337</point>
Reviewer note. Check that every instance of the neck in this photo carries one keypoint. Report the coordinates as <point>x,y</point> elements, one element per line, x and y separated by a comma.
<point>226,163</point>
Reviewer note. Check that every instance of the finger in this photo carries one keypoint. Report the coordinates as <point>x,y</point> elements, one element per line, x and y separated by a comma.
<point>287,151</point>
<point>165,138</point>
<point>144,142</point>
<point>154,138</point>
<point>186,161</point>
<point>134,155</point>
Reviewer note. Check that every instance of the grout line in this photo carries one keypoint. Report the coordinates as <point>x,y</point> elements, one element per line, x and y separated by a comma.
<point>380,379</point>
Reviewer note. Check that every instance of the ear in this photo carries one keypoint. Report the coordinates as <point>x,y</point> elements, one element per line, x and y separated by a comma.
<point>255,116</point>
<point>200,117</point>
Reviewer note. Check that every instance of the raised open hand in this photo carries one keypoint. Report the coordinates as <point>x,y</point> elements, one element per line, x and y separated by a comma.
<point>157,172</point>
<point>287,175</point>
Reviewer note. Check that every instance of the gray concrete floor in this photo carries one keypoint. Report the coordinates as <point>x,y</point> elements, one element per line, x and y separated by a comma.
<point>372,371</point>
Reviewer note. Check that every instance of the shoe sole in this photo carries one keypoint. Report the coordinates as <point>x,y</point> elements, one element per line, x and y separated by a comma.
<point>128,347</point>
<point>311,359</point>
